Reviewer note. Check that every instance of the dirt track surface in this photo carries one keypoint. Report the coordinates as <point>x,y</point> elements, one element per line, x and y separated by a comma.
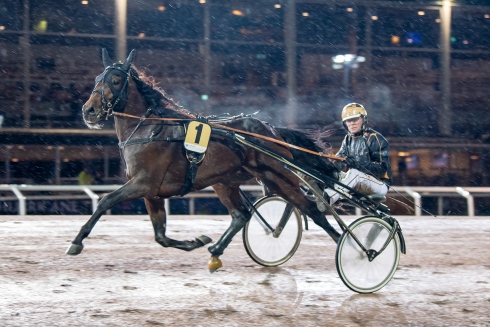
<point>124,278</point>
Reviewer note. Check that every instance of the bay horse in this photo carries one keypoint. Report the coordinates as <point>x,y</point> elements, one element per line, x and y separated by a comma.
<point>157,165</point>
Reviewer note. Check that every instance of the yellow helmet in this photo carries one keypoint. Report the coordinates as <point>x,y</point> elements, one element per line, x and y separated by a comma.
<point>353,110</point>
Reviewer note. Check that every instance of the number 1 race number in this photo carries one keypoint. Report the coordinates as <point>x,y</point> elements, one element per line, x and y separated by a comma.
<point>197,137</point>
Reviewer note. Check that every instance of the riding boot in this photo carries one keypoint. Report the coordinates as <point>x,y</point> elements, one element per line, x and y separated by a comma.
<point>319,203</point>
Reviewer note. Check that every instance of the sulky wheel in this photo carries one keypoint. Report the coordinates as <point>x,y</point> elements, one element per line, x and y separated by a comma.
<point>354,268</point>
<point>262,245</point>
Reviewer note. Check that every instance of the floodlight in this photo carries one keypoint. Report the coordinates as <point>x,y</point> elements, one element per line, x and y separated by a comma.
<point>349,57</point>
<point>338,59</point>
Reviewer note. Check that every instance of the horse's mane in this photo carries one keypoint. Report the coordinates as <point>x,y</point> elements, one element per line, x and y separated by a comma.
<point>156,98</point>
<point>164,106</point>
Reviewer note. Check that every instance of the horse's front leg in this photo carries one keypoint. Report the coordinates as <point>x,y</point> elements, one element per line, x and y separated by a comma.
<point>129,191</point>
<point>230,197</point>
<point>158,216</point>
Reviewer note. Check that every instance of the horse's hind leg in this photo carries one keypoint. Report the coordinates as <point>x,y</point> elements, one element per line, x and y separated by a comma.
<point>129,191</point>
<point>298,199</point>
<point>230,197</point>
<point>158,216</point>
<point>291,192</point>
<point>319,218</point>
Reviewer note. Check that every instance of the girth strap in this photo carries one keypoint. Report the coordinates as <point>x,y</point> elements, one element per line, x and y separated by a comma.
<point>191,172</point>
<point>195,159</point>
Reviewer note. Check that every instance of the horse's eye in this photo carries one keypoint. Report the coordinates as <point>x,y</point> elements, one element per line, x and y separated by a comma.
<point>116,82</point>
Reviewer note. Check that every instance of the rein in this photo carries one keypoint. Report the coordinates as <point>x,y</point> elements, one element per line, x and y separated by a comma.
<point>267,138</point>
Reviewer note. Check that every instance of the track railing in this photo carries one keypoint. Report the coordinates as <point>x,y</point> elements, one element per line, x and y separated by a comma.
<point>20,193</point>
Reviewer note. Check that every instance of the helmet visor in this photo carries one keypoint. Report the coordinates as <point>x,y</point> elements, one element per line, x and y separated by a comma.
<point>351,116</point>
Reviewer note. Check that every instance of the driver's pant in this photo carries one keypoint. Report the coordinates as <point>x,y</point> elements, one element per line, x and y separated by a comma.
<point>364,183</point>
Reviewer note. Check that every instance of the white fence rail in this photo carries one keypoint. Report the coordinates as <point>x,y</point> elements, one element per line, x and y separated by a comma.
<point>21,194</point>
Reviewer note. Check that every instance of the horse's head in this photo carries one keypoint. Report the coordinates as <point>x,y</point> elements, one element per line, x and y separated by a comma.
<point>110,92</point>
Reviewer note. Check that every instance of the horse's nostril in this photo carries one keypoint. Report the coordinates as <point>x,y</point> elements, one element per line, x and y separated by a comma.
<point>90,111</point>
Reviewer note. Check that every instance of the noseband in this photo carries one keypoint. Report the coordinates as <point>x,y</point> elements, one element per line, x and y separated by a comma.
<point>118,97</point>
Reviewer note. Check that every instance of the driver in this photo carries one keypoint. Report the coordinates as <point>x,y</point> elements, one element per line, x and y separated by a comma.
<point>367,164</point>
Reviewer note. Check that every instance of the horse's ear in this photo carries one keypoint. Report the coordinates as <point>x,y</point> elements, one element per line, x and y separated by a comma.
<point>129,60</point>
<point>106,60</point>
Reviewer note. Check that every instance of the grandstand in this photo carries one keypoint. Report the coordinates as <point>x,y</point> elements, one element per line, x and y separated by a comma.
<point>216,56</point>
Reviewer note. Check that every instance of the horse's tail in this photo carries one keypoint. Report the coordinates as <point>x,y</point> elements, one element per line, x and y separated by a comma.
<point>304,140</point>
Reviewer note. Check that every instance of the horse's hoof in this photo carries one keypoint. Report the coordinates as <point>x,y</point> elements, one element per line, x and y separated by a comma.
<point>203,240</point>
<point>74,249</point>
<point>214,264</point>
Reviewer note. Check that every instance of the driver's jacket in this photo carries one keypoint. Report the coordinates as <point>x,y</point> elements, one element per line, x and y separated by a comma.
<point>370,151</point>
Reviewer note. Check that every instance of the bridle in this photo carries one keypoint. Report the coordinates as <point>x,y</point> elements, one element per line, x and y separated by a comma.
<point>119,97</point>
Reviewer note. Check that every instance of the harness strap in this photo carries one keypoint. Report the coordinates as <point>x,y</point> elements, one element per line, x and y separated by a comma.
<point>148,140</point>
<point>201,119</point>
<point>142,119</point>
